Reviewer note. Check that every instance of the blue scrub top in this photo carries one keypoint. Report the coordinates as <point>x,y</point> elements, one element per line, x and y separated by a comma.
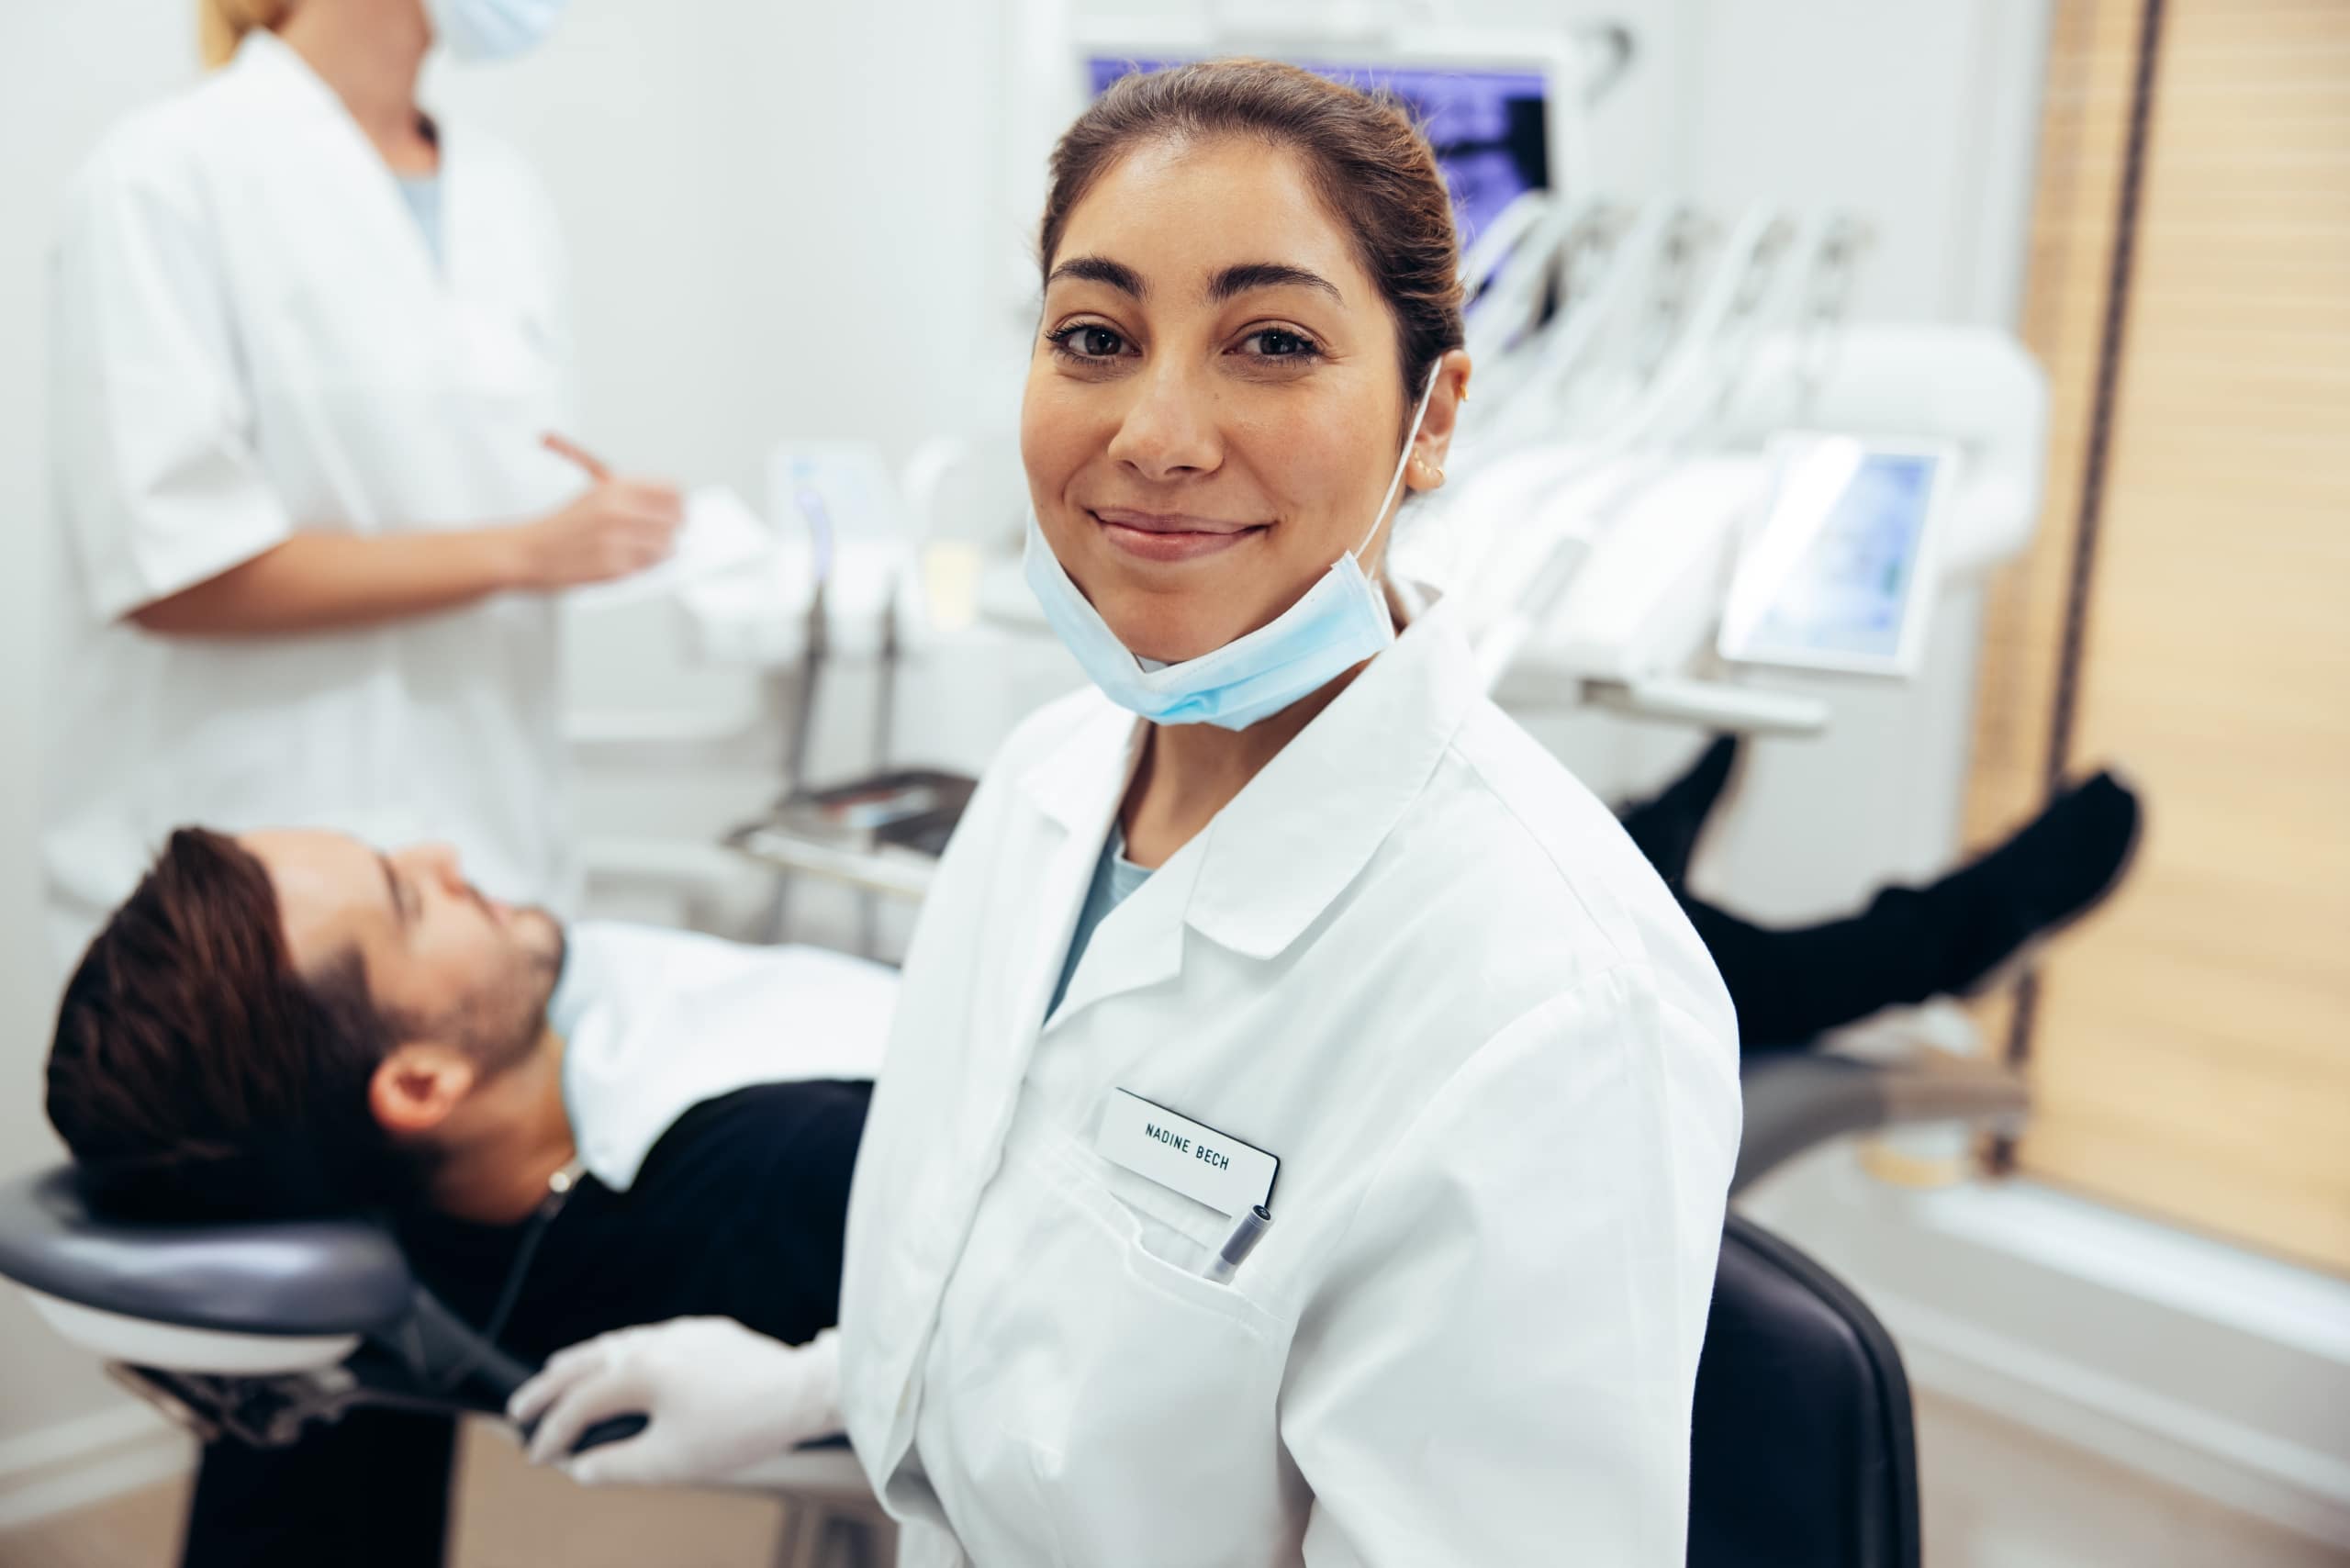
<point>422,193</point>
<point>1115,878</point>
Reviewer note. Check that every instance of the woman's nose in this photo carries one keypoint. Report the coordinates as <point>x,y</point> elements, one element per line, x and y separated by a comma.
<point>1170,430</point>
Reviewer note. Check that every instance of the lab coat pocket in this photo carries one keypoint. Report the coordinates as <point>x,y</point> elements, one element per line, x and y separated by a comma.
<point>1168,1238</point>
<point>1156,1408</point>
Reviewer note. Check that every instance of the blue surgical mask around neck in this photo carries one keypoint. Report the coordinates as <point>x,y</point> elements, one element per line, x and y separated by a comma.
<point>1340,621</point>
<point>486,31</point>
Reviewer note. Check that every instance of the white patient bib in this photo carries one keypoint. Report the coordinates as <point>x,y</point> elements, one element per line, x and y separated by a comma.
<point>656,1022</point>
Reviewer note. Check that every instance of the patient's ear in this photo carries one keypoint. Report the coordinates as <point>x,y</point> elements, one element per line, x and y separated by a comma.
<point>416,1086</point>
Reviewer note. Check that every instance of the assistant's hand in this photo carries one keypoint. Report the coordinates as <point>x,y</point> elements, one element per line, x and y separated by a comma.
<point>719,1397</point>
<point>616,528</point>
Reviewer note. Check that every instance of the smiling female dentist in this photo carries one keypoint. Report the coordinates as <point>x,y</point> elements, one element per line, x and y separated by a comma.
<point>1308,929</point>
<point>305,343</point>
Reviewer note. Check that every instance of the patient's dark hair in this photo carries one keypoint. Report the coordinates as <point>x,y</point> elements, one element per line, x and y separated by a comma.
<point>195,1072</point>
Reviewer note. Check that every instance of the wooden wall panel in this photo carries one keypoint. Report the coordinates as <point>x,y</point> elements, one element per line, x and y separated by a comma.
<point>2190,1052</point>
<point>2085,104</point>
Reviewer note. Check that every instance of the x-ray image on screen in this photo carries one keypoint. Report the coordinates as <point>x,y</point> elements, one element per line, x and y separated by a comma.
<point>1829,576</point>
<point>1490,128</point>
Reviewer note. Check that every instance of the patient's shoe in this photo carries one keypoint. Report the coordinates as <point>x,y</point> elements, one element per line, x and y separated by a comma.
<point>2056,869</point>
<point>1667,827</point>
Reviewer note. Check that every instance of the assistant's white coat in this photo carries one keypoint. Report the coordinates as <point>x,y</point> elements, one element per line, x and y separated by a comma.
<point>1420,964</point>
<point>251,336</point>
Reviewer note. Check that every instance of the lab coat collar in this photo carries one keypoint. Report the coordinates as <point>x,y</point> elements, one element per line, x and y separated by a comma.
<point>1078,786</point>
<point>1141,942</point>
<point>1290,843</point>
<point>269,61</point>
<point>1302,829</point>
<point>1079,782</point>
<point>266,65</point>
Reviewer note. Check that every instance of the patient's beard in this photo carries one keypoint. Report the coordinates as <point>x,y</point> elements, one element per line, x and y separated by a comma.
<point>500,1026</point>
<point>490,1163</point>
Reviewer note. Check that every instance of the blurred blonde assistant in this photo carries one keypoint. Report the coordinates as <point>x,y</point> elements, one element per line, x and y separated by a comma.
<point>306,341</point>
<point>221,25</point>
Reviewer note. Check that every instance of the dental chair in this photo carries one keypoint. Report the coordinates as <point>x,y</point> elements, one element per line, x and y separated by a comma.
<point>1802,1454</point>
<point>1799,1100</point>
<point>254,1331</point>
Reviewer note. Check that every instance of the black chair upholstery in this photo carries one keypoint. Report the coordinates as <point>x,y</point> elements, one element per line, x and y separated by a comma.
<point>297,1277</point>
<point>1803,1453</point>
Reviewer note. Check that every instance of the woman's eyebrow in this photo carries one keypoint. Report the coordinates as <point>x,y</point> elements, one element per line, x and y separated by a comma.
<point>1102,270</point>
<point>1234,281</point>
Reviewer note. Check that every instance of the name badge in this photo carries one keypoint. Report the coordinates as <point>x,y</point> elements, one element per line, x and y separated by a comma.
<point>1191,1157</point>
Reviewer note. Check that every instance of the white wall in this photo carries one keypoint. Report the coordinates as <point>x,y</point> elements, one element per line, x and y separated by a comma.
<point>794,219</point>
<point>65,71</point>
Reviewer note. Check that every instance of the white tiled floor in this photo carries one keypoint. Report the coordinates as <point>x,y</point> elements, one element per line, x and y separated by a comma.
<point>1994,1497</point>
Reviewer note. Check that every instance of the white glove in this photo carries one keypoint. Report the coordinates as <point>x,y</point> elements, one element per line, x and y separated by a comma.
<point>717,1396</point>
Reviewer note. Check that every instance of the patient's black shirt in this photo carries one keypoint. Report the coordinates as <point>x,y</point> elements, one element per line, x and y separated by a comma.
<point>737,1212</point>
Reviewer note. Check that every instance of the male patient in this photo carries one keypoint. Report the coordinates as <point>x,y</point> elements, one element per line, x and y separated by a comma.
<point>295,1021</point>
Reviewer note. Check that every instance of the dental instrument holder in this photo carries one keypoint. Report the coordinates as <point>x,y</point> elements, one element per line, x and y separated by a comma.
<point>1694,319</point>
<point>879,834</point>
<point>1972,388</point>
<point>1835,275</point>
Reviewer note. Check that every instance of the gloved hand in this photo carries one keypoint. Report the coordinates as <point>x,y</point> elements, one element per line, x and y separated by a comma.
<point>717,1396</point>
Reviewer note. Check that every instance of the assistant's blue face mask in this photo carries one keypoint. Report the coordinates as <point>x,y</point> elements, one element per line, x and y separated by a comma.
<point>492,29</point>
<point>1341,620</point>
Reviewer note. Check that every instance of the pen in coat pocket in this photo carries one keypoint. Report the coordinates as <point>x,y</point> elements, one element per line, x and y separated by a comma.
<point>1239,1244</point>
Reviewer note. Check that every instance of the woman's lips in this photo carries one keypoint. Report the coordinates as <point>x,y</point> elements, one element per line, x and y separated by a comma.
<point>1154,538</point>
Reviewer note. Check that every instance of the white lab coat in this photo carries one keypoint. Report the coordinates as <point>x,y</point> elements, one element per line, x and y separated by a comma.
<point>250,336</point>
<point>1420,964</point>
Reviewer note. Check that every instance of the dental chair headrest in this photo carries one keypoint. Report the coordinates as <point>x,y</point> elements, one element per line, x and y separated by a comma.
<point>280,1277</point>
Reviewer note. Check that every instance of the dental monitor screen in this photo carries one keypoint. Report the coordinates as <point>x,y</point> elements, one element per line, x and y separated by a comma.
<point>1490,128</point>
<point>1829,576</point>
